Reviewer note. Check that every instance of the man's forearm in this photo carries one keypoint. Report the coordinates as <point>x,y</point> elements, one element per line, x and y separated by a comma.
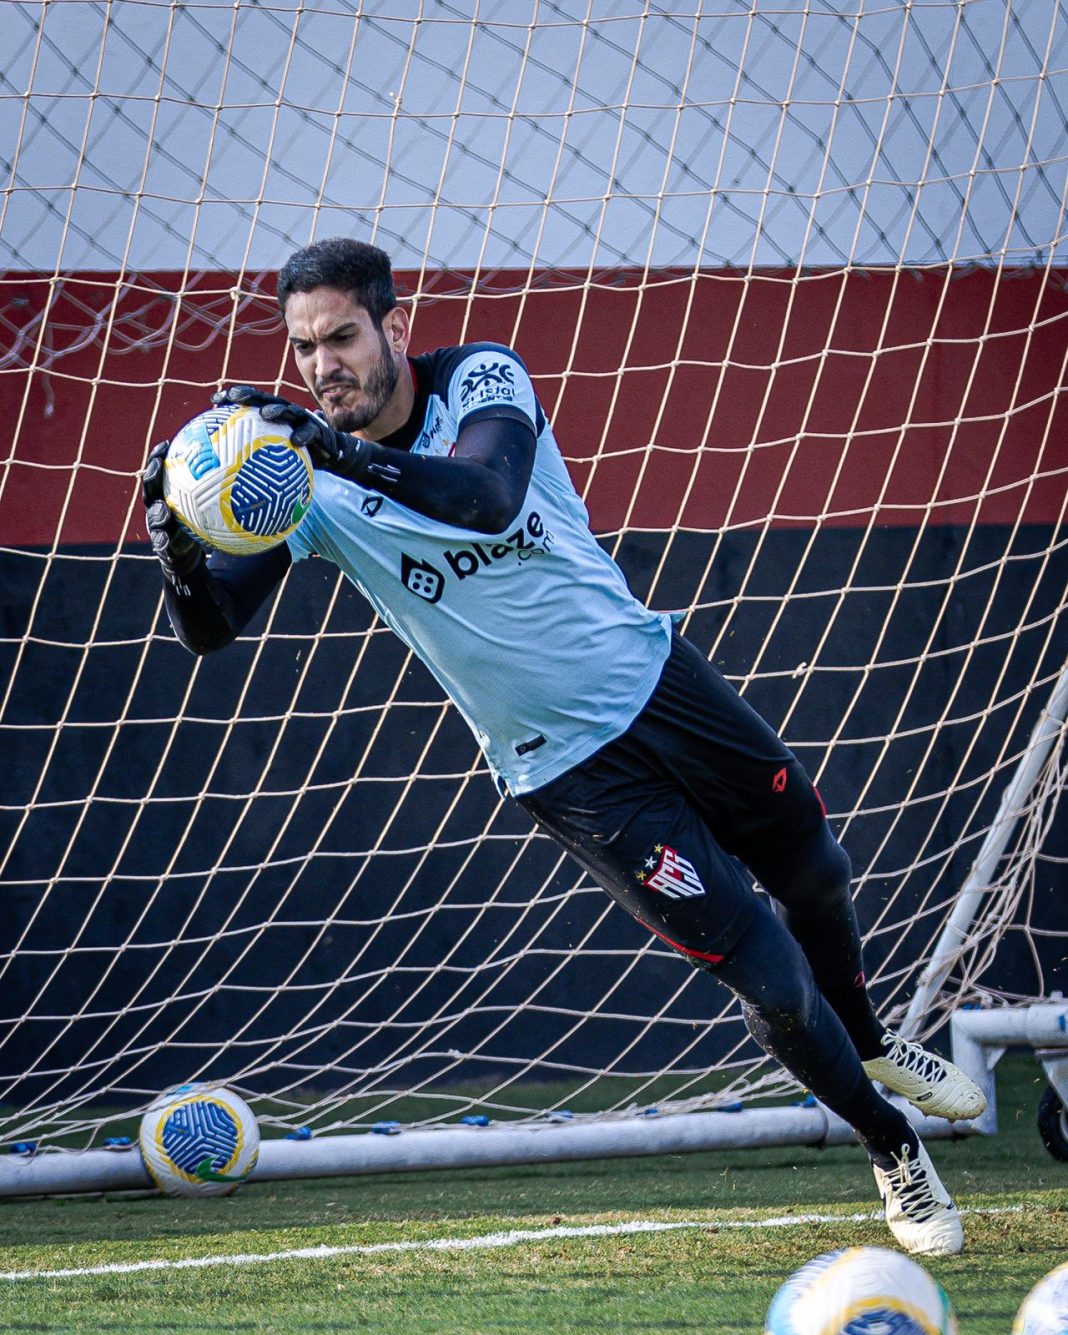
<point>222,596</point>
<point>480,486</point>
<point>199,617</point>
<point>461,491</point>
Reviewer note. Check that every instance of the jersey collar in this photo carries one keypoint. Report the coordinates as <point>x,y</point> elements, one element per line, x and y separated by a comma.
<point>407,433</point>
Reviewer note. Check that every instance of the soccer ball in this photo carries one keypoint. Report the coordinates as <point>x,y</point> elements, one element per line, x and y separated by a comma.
<point>861,1291</point>
<point>236,482</point>
<point>1045,1309</point>
<point>199,1140</point>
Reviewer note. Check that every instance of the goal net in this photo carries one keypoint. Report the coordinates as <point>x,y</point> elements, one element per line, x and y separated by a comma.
<point>791,283</point>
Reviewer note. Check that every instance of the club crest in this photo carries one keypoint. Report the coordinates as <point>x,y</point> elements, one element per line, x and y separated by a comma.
<point>669,873</point>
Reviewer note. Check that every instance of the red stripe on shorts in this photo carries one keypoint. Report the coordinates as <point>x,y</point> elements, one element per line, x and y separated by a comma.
<point>697,954</point>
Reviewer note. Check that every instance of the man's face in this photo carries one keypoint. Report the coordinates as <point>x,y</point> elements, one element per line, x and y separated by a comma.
<point>350,365</point>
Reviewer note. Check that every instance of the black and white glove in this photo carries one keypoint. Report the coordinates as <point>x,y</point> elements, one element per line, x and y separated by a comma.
<point>179,554</point>
<point>336,451</point>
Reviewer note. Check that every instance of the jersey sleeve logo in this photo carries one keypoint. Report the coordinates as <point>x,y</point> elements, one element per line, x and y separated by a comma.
<point>670,874</point>
<point>487,382</point>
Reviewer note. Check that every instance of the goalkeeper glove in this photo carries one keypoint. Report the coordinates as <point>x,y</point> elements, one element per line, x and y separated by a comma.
<point>180,555</point>
<point>336,451</point>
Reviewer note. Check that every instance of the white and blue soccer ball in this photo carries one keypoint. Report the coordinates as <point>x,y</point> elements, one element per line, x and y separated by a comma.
<point>236,482</point>
<point>1045,1309</point>
<point>199,1140</point>
<point>861,1291</point>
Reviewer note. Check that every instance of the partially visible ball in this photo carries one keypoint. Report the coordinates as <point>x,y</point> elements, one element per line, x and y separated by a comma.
<point>861,1291</point>
<point>1045,1309</point>
<point>236,482</point>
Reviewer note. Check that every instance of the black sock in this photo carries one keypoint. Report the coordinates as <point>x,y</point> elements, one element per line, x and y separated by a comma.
<point>886,1131</point>
<point>811,881</point>
<point>794,1022</point>
<point>822,1056</point>
<point>852,1004</point>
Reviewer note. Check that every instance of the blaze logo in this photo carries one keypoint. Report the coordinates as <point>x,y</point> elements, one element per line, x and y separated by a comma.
<point>371,506</point>
<point>670,874</point>
<point>421,579</point>
<point>428,583</point>
<point>470,560</point>
<point>778,784</point>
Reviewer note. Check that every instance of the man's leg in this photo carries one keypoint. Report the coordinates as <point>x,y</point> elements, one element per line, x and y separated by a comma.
<point>761,807</point>
<point>791,1020</point>
<point>812,884</point>
<point>647,847</point>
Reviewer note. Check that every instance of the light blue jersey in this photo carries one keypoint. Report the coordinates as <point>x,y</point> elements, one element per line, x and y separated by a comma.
<point>532,632</point>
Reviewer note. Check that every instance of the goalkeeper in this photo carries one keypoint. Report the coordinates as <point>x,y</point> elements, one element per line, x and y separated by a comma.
<point>442,495</point>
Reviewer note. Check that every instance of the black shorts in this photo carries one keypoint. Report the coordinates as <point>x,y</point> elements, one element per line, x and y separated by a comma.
<point>663,816</point>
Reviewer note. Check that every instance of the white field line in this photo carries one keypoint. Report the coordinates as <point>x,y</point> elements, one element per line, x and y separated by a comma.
<point>487,1241</point>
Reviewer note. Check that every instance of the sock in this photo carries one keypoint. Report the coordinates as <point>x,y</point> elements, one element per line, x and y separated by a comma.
<point>886,1131</point>
<point>811,882</point>
<point>852,1004</point>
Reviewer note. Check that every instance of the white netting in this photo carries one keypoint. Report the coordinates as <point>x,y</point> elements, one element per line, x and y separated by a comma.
<point>791,283</point>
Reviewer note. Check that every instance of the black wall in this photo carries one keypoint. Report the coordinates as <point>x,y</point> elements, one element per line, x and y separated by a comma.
<point>151,933</point>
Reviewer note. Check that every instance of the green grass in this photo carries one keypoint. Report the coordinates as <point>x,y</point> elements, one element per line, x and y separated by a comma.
<point>711,1277</point>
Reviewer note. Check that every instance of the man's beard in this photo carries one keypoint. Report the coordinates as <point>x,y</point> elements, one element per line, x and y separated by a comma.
<point>377,391</point>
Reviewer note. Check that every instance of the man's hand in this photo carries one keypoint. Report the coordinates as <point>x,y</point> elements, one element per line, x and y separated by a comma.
<point>480,485</point>
<point>179,554</point>
<point>349,456</point>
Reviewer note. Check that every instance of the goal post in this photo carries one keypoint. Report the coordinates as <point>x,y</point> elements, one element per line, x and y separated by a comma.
<point>792,285</point>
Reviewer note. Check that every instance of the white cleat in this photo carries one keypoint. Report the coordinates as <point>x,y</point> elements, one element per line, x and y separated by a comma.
<point>928,1081</point>
<point>918,1209</point>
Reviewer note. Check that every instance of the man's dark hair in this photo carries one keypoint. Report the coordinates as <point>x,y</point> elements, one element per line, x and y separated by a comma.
<point>345,264</point>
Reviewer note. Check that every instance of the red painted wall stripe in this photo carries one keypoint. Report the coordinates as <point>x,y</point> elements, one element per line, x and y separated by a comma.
<point>760,395</point>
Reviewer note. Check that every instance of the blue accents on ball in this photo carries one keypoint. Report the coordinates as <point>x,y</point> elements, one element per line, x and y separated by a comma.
<point>203,458</point>
<point>199,1130</point>
<point>271,483</point>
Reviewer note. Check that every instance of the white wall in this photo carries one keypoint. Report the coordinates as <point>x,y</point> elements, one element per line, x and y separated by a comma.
<point>155,135</point>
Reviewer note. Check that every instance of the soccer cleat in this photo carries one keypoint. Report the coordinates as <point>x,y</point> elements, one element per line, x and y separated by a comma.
<point>928,1081</point>
<point>917,1206</point>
